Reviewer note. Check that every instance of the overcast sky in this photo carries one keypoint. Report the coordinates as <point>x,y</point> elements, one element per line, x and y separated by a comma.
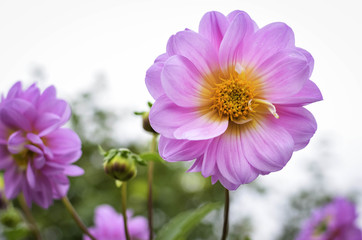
<point>75,41</point>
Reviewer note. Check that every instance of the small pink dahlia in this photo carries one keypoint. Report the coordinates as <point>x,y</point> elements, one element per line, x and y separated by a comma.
<point>109,225</point>
<point>232,97</point>
<point>36,153</point>
<point>334,221</point>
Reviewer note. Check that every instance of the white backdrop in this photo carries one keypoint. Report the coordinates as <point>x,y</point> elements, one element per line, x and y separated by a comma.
<point>73,41</point>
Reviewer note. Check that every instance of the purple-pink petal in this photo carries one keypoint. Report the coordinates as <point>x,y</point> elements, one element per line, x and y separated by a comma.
<point>300,124</point>
<point>183,83</point>
<point>266,42</point>
<point>267,146</point>
<point>196,48</point>
<point>309,93</point>
<point>213,26</point>
<point>240,29</point>
<point>153,80</point>
<point>180,150</point>
<point>283,74</point>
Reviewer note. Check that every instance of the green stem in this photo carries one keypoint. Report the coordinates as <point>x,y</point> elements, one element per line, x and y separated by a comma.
<point>68,205</point>
<point>150,180</point>
<point>124,209</point>
<point>29,217</point>
<point>225,229</point>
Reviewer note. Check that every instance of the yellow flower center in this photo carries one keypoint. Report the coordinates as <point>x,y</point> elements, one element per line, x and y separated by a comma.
<point>232,97</point>
<point>238,98</point>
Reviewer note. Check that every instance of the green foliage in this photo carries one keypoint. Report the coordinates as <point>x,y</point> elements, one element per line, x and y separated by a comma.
<point>180,226</point>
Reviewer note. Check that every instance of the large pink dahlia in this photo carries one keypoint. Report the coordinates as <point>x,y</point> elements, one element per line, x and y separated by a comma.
<point>36,153</point>
<point>232,97</point>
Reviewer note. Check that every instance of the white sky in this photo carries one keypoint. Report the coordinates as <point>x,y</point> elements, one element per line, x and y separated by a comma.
<point>73,41</point>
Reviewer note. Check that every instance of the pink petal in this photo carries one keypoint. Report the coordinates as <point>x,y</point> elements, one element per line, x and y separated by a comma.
<point>63,141</point>
<point>16,142</point>
<point>202,127</point>
<point>196,48</point>
<point>166,117</point>
<point>35,139</point>
<point>309,58</point>
<point>14,90</point>
<point>46,123</point>
<point>153,80</point>
<point>30,176</point>
<point>5,158</point>
<point>173,121</point>
<point>183,83</point>
<point>240,29</point>
<point>173,150</point>
<point>226,151</point>
<point>309,93</point>
<point>73,170</point>
<point>266,42</point>
<point>283,74</point>
<point>213,26</point>
<point>266,145</point>
<point>300,124</point>
<point>18,114</point>
<point>13,182</point>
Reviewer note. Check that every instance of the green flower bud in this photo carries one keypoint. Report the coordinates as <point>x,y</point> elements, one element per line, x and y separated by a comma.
<point>10,218</point>
<point>146,123</point>
<point>120,164</point>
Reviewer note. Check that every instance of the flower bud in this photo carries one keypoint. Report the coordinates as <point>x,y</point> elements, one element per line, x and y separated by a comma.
<point>146,123</point>
<point>120,164</point>
<point>10,218</point>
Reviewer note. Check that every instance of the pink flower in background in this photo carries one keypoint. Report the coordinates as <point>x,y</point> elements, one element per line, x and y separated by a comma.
<point>231,96</point>
<point>36,153</point>
<point>334,221</point>
<point>109,225</point>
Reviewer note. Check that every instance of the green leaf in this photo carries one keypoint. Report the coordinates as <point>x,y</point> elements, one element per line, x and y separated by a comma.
<point>150,104</point>
<point>181,225</point>
<point>139,113</point>
<point>151,156</point>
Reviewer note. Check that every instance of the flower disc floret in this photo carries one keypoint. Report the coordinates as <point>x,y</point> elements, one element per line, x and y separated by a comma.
<point>231,97</point>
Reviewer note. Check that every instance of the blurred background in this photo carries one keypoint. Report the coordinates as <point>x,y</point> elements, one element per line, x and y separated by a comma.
<point>96,53</point>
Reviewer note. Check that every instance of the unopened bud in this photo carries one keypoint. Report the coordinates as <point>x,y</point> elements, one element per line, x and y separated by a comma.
<point>146,123</point>
<point>120,164</point>
<point>10,218</point>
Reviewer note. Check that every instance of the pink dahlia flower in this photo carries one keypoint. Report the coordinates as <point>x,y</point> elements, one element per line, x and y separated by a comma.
<point>231,96</point>
<point>109,225</point>
<point>335,221</point>
<point>35,152</point>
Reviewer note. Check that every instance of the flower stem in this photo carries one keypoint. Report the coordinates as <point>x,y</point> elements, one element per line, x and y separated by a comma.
<point>124,209</point>
<point>225,229</point>
<point>29,217</point>
<point>68,205</point>
<point>150,179</point>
